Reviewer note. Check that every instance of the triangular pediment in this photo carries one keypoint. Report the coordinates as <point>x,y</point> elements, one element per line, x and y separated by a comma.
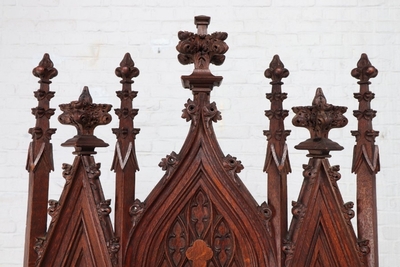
<point>321,220</point>
<point>80,223</point>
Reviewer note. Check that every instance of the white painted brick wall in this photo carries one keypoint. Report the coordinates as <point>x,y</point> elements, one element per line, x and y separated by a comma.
<point>319,41</point>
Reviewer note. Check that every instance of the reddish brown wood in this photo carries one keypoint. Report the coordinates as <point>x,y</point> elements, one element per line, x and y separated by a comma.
<point>200,213</point>
<point>40,161</point>
<point>125,163</point>
<point>321,233</point>
<point>366,161</point>
<point>277,163</point>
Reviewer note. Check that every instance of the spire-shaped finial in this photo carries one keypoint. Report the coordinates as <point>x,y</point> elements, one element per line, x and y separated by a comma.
<point>276,71</point>
<point>364,70</point>
<point>45,71</point>
<point>127,69</point>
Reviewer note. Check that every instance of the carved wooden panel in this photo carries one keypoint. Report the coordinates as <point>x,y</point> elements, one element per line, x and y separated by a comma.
<point>200,213</point>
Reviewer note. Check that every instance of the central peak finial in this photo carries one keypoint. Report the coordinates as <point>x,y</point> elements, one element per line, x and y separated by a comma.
<point>201,49</point>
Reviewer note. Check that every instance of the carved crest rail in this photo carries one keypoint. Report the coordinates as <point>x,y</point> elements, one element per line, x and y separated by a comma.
<point>200,213</point>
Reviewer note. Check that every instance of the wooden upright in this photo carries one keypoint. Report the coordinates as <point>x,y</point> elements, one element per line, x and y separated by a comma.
<point>200,213</point>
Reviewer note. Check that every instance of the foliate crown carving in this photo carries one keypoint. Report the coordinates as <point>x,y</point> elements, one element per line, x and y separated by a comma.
<point>85,116</point>
<point>319,119</point>
<point>202,48</point>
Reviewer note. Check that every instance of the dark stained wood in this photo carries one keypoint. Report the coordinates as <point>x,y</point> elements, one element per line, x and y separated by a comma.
<point>39,161</point>
<point>277,163</point>
<point>200,213</point>
<point>366,161</point>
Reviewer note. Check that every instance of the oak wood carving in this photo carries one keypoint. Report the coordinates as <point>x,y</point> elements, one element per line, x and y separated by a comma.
<point>200,213</point>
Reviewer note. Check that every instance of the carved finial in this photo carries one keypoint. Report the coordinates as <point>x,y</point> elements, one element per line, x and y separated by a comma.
<point>319,119</point>
<point>127,69</point>
<point>364,70</point>
<point>202,48</point>
<point>85,116</point>
<point>276,71</point>
<point>45,71</point>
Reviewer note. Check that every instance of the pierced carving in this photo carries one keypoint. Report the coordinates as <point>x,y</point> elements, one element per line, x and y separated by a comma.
<point>113,247</point>
<point>319,119</point>
<point>127,71</point>
<point>45,71</point>
<point>177,242</point>
<point>136,211</point>
<point>364,70</point>
<point>211,113</point>
<point>223,243</point>
<point>191,112</point>
<point>169,163</point>
<point>200,212</point>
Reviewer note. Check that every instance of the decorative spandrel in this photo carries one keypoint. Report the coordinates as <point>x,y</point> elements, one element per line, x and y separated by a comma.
<point>85,116</point>
<point>319,119</point>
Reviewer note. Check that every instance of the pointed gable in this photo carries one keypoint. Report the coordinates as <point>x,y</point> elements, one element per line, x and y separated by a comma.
<point>201,207</point>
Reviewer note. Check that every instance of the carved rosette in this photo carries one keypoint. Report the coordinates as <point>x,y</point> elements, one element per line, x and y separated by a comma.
<point>319,119</point>
<point>136,211</point>
<point>232,166</point>
<point>169,163</point>
<point>191,112</point>
<point>85,116</point>
<point>266,213</point>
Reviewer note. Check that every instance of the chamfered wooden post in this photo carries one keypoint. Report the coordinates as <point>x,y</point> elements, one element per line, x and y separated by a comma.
<point>39,161</point>
<point>277,164</point>
<point>366,161</point>
<point>125,163</point>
